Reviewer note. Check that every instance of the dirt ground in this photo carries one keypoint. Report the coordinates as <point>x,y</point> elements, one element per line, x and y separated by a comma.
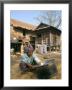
<point>17,74</point>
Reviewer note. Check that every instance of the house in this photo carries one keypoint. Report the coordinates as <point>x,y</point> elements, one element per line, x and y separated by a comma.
<point>49,36</point>
<point>19,31</point>
<point>37,35</point>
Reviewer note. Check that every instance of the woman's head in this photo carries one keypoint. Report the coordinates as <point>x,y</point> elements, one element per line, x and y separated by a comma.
<point>30,51</point>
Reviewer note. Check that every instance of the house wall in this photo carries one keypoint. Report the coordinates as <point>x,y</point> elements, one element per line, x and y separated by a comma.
<point>52,40</point>
<point>15,33</point>
<point>55,41</point>
<point>43,39</point>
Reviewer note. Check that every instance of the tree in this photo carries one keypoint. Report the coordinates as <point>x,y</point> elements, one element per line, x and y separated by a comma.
<point>51,17</point>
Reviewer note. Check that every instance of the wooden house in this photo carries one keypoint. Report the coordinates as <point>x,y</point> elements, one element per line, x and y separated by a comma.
<point>49,36</point>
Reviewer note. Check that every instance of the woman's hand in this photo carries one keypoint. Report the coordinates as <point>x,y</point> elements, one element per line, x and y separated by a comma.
<point>30,66</point>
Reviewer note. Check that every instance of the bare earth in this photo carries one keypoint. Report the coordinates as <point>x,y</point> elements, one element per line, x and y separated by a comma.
<point>17,74</point>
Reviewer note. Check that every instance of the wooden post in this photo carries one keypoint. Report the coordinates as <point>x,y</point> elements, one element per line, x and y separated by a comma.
<point>50,41</point>
<point>42,39</point>
<point>22,49</point>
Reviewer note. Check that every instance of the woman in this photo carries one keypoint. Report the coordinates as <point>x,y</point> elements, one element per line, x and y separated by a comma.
<point>28,59</point>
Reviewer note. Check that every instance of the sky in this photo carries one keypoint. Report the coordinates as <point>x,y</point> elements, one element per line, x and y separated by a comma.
<point>28,16</point>
<point>25,16</point>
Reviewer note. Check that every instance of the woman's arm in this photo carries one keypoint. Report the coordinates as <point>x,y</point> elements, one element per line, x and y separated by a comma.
<point>29,65</point>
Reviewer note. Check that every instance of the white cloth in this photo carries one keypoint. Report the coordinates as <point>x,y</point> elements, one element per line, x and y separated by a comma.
<point>38,61</point>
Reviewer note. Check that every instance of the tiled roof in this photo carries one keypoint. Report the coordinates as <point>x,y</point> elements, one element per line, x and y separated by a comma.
<point>44,26</point>
<point>22,24</point>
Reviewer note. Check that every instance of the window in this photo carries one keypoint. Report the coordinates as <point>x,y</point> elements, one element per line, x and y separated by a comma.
<point>39,35</point>
<point>24,33</point>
